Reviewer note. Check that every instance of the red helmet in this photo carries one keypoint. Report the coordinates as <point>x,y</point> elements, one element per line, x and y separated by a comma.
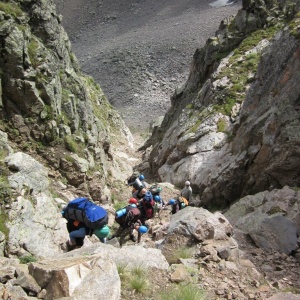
<point>133,201</point>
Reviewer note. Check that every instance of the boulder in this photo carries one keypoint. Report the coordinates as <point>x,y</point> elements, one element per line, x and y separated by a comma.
<point>132,256</point>
<point>271,219</point>
<point>27,172</point>
<point>79,277</point>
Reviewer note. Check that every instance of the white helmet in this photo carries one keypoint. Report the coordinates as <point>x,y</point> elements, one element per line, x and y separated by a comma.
<point>187,183</point>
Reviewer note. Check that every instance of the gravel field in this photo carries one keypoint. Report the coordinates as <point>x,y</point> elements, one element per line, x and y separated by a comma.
<point>139,51</point>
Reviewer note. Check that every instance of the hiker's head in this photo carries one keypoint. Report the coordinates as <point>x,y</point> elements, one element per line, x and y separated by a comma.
<point>156,198</point>
<point>143,191</point>
<point>187,183</point>
<point>172,202</point>
<point>141,177</point>
<point>147,196</point>
<point>132,201</point>
<point>142,229</point>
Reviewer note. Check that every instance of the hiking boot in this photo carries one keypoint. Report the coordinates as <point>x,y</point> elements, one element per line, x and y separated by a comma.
<point>70,247</point>
<point>133,238</point>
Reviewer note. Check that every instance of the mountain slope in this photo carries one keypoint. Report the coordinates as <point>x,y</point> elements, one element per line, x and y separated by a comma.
<point>48,106</point>
<point>233,128</point>
<point>139,51</point>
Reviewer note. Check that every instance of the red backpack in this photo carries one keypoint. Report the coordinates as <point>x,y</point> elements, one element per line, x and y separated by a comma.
<point>147,209</point>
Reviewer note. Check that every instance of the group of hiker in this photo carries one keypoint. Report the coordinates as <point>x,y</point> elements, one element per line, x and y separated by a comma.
<point>86,218</point>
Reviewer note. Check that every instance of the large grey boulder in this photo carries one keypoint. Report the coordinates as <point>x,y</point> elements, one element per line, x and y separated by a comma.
<point>35,224</point>
<point>36,227</point>
<point>211,232</point>
<point>80,277</point>
<point>131,256</point>
<point>201,224</point>
<point>28,173</point>
<point>272,219</point>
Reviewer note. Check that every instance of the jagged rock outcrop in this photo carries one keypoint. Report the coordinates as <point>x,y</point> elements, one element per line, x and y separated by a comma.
<point>36,227</point>
<point>47,101</point>
<point>233,127</point>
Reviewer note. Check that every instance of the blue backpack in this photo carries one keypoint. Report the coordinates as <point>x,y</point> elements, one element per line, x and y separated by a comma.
<point>87,212</point>
<point>148,196</point>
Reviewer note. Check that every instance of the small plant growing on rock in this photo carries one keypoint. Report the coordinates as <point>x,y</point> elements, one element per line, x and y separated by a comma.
<point>3,220</point>
<point>138,280</point>
<point>27,259</point>
<point>122,270</point>
<point>70,144</point>
<point>182,252</point>
<point>221,125</point>
<point>11,9</point>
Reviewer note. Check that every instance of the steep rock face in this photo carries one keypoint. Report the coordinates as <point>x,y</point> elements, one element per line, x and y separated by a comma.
<point>233,128</point>
<point>47,101</point>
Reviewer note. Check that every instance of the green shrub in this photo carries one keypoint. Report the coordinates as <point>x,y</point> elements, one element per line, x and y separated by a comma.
<point>139,284</point>
<point>71,144</point>
<point>122,270</point>
<point>27,259</point>
<point>183,292</point>
<point>139,271</point>
<point>32,48</point>
<point>5,189</point>
<point>221,125</point>
<point>137,280</point>
<point>3,219</point>
<point>182,252</point>
<point>11,9</point>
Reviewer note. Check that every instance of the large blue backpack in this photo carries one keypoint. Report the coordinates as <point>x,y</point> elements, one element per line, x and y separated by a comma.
<point>87,212</point>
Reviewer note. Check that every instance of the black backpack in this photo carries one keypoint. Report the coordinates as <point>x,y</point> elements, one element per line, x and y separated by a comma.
<point>155,189</point>
<point>131,216</point>
<point>133,177</point>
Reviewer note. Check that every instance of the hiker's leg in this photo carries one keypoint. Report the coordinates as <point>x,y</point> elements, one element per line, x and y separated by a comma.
<point>123,235</point>
<point>155,210</point>
<point>131,235</point>
<point>116,234</point>
<point>79,233</point>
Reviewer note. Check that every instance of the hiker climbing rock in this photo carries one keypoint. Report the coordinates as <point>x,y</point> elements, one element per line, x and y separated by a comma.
<point>159,205</point>
<point>187,191</point>
<point>177,204</point>
<point>155,190</point>
<point>85,218</point>
<point>136,180</point>
<point>139,194</point>
<point>146,206</point>
<point>78,231</point>
<point>174,206</point>
<point>129,220</point>
<point>142,179</point>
